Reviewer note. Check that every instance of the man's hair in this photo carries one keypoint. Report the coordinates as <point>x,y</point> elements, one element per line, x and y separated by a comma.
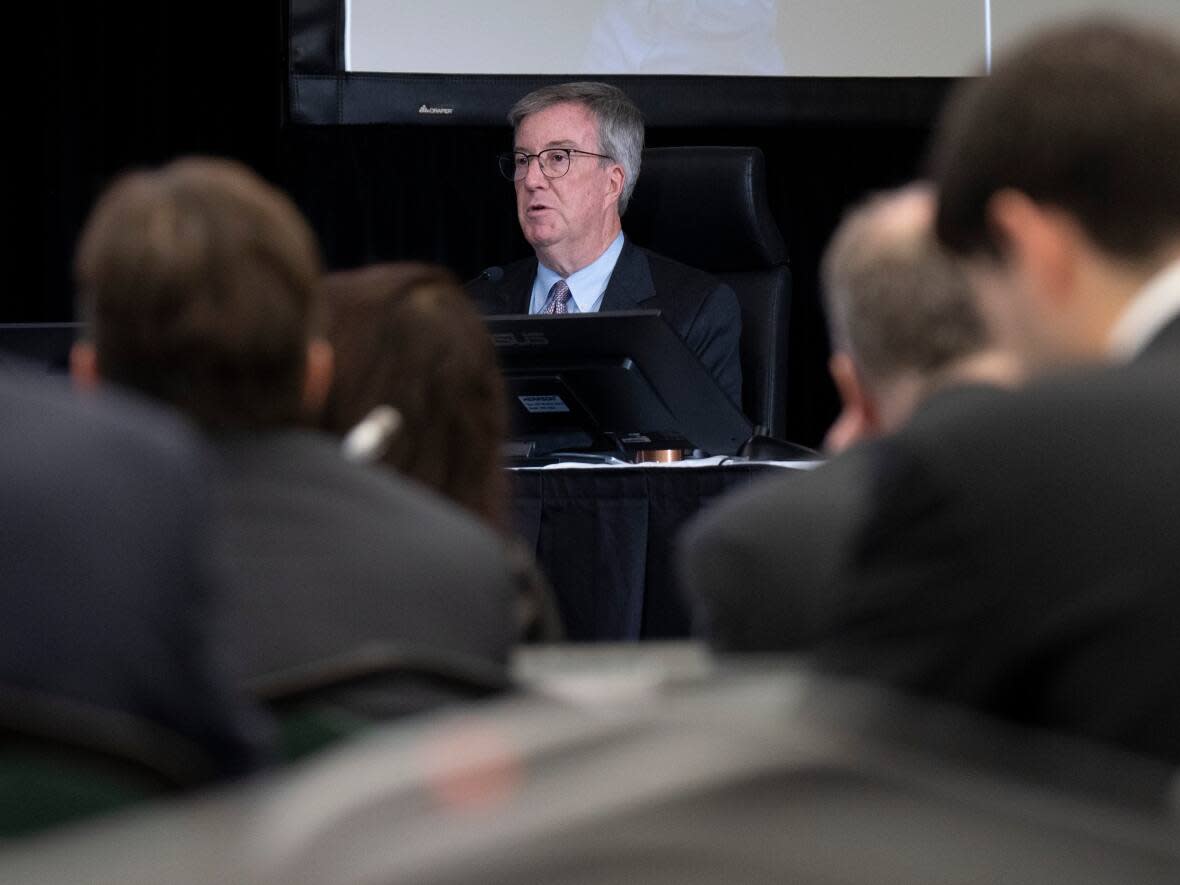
<point>896,301</point>
<point>198,284</point>
<point>407,335</point>
<point>620,125</point>
<point>1083,117</point>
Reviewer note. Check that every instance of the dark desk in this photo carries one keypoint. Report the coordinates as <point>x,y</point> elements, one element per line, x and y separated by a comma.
<point>604,536</point>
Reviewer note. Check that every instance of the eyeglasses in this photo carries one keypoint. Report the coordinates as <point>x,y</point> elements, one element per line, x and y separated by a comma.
<point>554,162</point>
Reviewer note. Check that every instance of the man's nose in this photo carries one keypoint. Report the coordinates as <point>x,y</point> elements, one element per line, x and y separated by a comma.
<point>533,177</point>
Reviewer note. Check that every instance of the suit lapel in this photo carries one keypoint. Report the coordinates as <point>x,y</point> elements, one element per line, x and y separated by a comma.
<point>630,282</point>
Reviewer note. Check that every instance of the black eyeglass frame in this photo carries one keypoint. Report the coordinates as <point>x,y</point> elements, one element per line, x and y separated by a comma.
<point>509,162</point>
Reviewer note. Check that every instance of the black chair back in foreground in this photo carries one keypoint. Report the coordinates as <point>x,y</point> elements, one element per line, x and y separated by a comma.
<point>322,702</point>
<point>759,774</point>
<point>63,760</point>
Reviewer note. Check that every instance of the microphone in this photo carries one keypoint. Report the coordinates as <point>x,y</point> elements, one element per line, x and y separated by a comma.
<point>492,274</point>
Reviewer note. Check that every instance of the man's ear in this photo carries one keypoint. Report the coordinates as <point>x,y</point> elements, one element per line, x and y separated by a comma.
<point>1040,244</point>
<point>317,376</point>
<point>859,417</point>
<point>616,178</point>
<point>84,365</point>
<point>853,392</point>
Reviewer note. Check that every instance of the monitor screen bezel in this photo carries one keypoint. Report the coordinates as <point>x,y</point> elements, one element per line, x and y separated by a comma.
<point>639,353</point>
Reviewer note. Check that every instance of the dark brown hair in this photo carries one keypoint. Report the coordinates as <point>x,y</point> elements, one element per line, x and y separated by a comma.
<point>406,335</point>
<point>1084,117</point>
<point>198,283</point>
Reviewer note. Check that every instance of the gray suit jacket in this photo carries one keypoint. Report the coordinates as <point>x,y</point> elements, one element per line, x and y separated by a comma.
<point>107,579</point>
<point>763,565</point>
<point>1014,552</point>
<point>329,558</point>
<point>702,310</point>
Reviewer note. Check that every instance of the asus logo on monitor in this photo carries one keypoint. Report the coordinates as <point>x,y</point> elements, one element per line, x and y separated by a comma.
<point>523,339</point>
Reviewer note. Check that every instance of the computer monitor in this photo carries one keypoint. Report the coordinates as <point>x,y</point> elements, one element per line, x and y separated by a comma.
<point>617,382</point>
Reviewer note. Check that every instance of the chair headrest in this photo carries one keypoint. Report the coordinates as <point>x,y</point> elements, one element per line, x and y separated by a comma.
<point>707,207</point>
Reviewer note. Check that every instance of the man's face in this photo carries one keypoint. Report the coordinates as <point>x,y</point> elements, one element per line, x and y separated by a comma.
<point>572,210</point>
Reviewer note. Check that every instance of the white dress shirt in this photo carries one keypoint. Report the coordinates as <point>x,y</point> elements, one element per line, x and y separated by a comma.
<point>1152,308</point>
<point>587,286</point>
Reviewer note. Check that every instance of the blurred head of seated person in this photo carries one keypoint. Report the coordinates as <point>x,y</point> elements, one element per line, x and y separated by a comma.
<point>200,284</point>
<point>110,685</point>
<point>197,285</point>
<point>1010,550</point>
<point>902,316</point>
<point>407,336</point>
<point>416,371</point>
<point>1070,230</point>
<point>574,163</point>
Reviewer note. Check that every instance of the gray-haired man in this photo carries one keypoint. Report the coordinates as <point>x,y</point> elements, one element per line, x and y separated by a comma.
<point>902,315</point>
<point>575,159</point>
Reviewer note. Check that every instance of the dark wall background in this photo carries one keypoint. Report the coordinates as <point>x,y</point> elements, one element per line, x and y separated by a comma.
<point>110,87</point>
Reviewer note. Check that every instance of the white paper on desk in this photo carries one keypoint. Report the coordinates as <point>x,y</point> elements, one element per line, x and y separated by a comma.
<point>687,463</point>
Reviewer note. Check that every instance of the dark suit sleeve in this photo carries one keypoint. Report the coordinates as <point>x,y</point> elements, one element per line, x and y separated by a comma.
<point>714,336</point>
<point>762,569</point>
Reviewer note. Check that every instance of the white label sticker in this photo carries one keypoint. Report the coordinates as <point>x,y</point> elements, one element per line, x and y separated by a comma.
<point>539,404</point>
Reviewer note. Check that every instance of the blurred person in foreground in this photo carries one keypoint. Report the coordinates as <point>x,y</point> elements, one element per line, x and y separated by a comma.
<point>902,316</point>
<point>199,284</point>
<point>417,389</point>
<point>110,682</point>
<point>906,330</point>
<point>1014,552</point>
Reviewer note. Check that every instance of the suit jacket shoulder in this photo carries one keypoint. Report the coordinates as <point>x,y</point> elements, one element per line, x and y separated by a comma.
<point>763,566</point>
<point>330,556</point>
<point>1012,558</point>
<point>701,309</point>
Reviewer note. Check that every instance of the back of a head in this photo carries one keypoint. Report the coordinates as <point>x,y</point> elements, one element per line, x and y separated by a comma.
<point>197,281</point>
<point>896,302</point>
<point>620,123</point>
<point>1085,118</point>
<point>406,335</point>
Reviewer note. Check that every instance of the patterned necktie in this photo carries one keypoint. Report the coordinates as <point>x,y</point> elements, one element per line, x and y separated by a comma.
<point>558,296</point>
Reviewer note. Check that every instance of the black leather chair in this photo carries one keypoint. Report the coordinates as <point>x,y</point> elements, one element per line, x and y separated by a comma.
<point>707,207</point>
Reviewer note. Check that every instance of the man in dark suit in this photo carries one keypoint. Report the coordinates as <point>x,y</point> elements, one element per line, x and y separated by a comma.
<point>108,585</point>
<point>906,332</point>
<point>1013,551</point>
<point>587,142</point>
<point>201,284</point>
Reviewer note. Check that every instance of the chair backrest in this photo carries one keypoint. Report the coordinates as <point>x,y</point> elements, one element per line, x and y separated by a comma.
<point>62,760</point>
<point>325,701</point>
<point>707,207</point>
<point>648,774</point>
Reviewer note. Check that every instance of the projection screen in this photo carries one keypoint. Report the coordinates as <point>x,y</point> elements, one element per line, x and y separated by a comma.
<point>686,62</point>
